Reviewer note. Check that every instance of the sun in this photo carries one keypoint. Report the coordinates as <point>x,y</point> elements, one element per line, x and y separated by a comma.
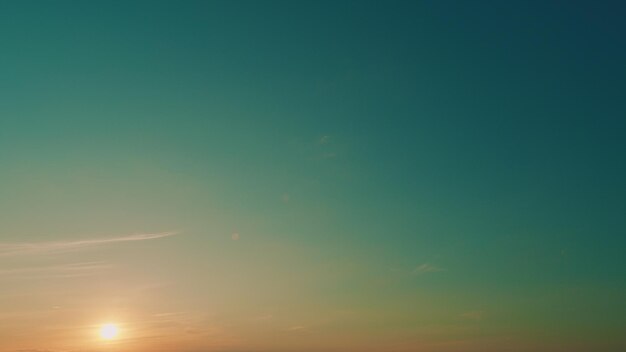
<point>109,331</point>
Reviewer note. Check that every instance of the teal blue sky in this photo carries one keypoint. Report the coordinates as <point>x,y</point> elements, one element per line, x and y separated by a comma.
<point>428,175</point>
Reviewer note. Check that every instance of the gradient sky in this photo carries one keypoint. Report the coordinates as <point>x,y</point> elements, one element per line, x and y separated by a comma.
<point>307,176</point>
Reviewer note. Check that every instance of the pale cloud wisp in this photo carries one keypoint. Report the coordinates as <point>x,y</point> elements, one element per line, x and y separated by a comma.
<point>12,249</point>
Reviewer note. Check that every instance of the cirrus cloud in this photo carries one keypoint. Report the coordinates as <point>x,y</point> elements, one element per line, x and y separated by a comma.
<point>34,248</point>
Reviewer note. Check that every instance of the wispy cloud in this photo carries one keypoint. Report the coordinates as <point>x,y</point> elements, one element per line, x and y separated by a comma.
<point>324,139</point>
<point>32,248</point>
<point>475,315</point>
<point>286,197</point>
<point>427,268</point>
<point>297,328</point>
<point>63,270</point>
<point>168,315</point>
<point>265,317</point>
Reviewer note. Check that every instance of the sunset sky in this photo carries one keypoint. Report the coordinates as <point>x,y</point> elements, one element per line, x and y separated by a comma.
<point>312,176</point>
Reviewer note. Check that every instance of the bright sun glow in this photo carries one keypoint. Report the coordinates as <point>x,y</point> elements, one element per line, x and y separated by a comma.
<point>109,331</point>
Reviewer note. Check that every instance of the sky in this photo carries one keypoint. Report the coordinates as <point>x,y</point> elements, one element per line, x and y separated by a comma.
<point>312,176</point>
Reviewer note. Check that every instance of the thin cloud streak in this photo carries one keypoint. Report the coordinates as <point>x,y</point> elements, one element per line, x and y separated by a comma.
<point>473,315</point>
<point>426,268</point>
<point>15,249</point>
<point>65,270</point>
